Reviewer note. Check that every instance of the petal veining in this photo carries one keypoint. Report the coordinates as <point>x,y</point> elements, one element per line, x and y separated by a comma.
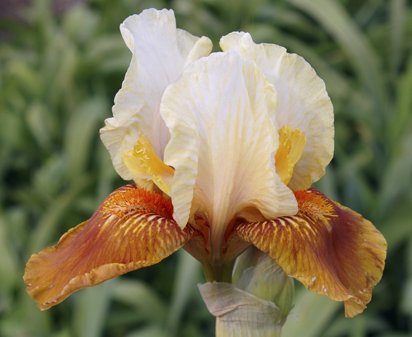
<point>331,249</point>
<point>131,229</point>
<point>223,143</point>
<point>303,102</point>
<point>160,52</point>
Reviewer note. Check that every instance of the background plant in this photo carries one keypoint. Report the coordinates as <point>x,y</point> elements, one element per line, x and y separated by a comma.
<point>58,77</point>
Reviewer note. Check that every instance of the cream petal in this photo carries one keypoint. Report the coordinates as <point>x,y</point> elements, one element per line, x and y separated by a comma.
<point>223,143</point>
<point>303,102</point>
<point>159,55</point>
<point>118,139</point>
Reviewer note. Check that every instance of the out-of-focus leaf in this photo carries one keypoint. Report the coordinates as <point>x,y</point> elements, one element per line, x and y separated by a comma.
<point>396,228</point>
<point>63,333</point>
<point>402,113</point>
<point>8,265</point>
<point>397,179</point>
<point>358,326</point>
<point>48,223</point>
<point>311,315</point>
<point>185,284</point>
<point>39,124</point>
<point>406,304</point>
<point>80,23</point>
<point>141,298</point>
<point>47,179</point>
<point>152,331</point>
<point>91,309</point>
<point>81,131</point>
<point>398,11</point>
<point>338,23</point>
<point>107,54</point>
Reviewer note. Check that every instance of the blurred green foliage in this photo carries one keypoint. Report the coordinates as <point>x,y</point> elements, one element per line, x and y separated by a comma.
<point>58,77</point>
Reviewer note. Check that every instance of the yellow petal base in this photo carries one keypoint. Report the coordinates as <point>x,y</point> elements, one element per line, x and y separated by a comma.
<point>143,160</point>
<point>291,145</point>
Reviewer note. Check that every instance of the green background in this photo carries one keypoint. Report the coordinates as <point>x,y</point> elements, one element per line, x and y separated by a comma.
<point>59,73</point>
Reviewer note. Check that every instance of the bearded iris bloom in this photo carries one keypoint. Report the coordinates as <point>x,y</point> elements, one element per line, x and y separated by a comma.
<point>223,149</point>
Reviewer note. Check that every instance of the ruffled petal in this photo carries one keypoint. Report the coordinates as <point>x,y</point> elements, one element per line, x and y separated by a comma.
<point>160,53</point>
<point>222,144</point>
<point>118,139</point>
<point>303,102</point>
<point>131,229</point>
<point>331,249</point>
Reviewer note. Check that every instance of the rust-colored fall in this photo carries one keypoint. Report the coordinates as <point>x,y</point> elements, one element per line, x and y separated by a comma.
<point>331,249</point>
<point>131,229</point>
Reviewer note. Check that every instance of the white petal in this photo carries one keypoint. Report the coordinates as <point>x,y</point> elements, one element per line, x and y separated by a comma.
<point>160,53</point>
<point>119,138</point>
<point>303,102</point>
<point>222,143</point>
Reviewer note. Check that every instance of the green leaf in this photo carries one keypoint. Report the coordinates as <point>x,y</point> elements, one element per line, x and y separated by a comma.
<point>48,223</point>
<point>143,300</point>
<point>398,11</point>
<point>81,134</point>
<point>311,315</point>
<point>90,310</point>
<point>332,16</point>
<point>185,284</point>
<point>151,331</point>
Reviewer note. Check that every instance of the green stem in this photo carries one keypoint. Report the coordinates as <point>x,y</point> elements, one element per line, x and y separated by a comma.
<point>218,272</point>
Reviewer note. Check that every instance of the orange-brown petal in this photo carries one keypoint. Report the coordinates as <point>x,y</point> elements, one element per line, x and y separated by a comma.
<point>331,249</point>
<point>131,229</point>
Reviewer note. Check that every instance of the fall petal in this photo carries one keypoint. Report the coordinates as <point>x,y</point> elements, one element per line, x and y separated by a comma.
<point>331,249</point>
<point>160,51</point>
<point>222,143</point>
<point>303,102</point>
<point>131,229</point>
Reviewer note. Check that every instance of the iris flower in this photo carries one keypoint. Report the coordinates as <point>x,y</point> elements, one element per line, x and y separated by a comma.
<point>222,149</point>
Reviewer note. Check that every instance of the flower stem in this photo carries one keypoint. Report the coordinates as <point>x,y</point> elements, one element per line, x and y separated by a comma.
<point>218,272</point>
<point>228,329</point>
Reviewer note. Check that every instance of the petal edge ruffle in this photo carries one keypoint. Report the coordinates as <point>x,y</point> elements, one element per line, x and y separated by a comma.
<point>331,249</point>
<point>131,229</point>
<point>222,144</point>
<point>303,102</point>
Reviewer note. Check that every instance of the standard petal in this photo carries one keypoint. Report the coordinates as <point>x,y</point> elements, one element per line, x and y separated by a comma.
<point>159,55</point>
<point>291,146</point>
<point>143,162</point>
<point>331,249</point>
<point>131,229</point>
<point>303,102</point>
<point>222,144</point>
<point>118,139</point>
